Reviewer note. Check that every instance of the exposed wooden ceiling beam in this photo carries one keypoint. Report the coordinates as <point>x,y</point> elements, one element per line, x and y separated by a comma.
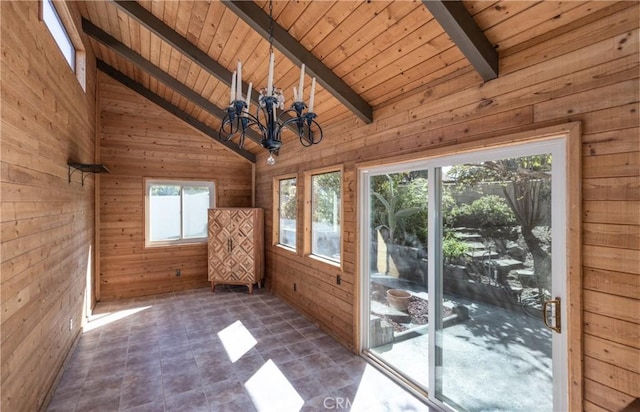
<point>465,33</point>
<point>115,45</point>
<point>180,43</point>
<point>192,121</point>
<point>258,20</point>
<point>184,46</point>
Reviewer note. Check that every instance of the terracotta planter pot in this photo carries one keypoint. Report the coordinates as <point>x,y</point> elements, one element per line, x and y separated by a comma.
<point>398,299</point>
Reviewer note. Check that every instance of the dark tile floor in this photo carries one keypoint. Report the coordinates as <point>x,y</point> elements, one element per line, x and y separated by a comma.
<point>228,351</point>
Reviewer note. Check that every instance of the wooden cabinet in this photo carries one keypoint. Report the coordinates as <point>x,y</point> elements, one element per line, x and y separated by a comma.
<point>236,246</point>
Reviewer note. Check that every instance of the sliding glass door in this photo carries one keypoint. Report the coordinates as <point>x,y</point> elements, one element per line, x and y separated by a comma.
<point>463,263</point>
<point>397,270</point>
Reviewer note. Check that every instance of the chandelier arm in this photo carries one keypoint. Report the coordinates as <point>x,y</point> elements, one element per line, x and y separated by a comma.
<point>229,128</point>
<point>311,138</point>
<point>305,122</point>
<point>234,125</point>
<point>284,113</point>
<point>287,122</point>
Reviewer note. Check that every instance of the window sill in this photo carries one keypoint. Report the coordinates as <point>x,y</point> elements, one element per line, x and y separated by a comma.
<point>329,262</point>
<point>175,244</point>
<point>287,248</point>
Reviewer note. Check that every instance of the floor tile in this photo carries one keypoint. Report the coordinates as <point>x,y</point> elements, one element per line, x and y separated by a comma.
<point>139,392</point>
<point>311,332</point>
<point>181,382</point>
<point>333,378</point>
<point>248,365</point>
<point>150,369</point>
<point>155,406</point>
<point>212,374</point>
<point>316,362</point>
<point>194,401</point>
<point>270,320</point>
<point>319,403</point>
<point>278,355</point>
<point>229,390</point>
<point>279,327</point>
<point>110,402</point>
<point>169,356</point>
<point>308,387</point>
<point>339,355</point>
<point>303,348</point>
<point>326,343</point>
<point>65,399</point>
<point>243,404</point>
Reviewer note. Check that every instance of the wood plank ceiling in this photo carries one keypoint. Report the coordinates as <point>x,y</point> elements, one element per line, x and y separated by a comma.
<point>381,50</point>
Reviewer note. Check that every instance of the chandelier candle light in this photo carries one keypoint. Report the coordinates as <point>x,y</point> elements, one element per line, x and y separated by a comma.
<point>269,125</point>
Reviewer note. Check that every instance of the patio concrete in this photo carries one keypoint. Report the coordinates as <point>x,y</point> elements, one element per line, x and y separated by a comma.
<point>498,360</point>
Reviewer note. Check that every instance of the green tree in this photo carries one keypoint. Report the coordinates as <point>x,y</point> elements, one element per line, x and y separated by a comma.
<point>452,247</point>
<point>395,204</point>
<point>326,192</point>
<point>493,215</point>
<point>289,205</point>
<point>165,190</point>
<point>526,186</point>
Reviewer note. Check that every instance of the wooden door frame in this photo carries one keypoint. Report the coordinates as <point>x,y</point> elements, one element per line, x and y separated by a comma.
<point>572,132</point>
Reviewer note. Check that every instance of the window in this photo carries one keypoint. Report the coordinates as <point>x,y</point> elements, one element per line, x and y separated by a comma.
<point>60,24</point>
<point>60,35</point>
<point>287,210</point>
<point>177,211</point>
<point>324,214</point>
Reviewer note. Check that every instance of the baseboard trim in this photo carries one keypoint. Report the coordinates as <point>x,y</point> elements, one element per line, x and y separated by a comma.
<point>56,381</point>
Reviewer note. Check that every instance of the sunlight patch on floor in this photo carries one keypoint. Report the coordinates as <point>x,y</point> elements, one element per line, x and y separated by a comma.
<point>376,392</point>
<point>270,390</point>
<point>97,321</point>
<point>237,340</point>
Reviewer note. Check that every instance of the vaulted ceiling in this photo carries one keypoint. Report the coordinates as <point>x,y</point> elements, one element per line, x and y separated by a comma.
<point>366,54</point>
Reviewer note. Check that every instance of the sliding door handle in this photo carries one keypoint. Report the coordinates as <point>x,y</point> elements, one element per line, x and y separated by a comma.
<point>554,304</point>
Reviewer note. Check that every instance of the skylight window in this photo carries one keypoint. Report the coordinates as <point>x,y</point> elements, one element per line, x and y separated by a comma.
<point>60,23</point>
<point>59,32</point>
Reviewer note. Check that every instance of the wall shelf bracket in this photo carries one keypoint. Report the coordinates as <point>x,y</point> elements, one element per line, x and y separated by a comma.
<point>86,168</point>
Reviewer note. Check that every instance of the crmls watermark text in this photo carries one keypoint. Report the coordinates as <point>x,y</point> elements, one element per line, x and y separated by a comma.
<point>337,403</point>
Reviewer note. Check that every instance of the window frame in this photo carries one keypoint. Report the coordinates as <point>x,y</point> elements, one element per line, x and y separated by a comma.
<point>276,211</point>
<point>65,20</point>
<point>308,202</point>
<point>148,182</point>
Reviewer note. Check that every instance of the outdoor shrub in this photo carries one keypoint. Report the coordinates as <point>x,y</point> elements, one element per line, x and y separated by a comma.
<point>453,248</point>
<point>488,211</point>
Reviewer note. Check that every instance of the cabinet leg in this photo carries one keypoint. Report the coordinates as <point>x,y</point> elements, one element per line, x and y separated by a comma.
<point>251,289</point>
<point>213,287</point>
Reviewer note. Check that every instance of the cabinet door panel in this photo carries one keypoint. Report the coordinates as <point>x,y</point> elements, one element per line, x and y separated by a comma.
<point>233,249</point>
<point>219,235</point>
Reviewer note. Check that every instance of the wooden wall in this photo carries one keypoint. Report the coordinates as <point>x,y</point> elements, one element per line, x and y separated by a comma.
<point>586,71</point>
<point>139,139</point>
<point>47,224</point>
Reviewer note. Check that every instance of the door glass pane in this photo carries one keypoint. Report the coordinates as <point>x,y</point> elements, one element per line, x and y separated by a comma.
<point>195,203</point>
<point>288,212</point>
<point>325,215</point>
<point>398,318</point>
<point>493,351</point>
<point>164,211</point>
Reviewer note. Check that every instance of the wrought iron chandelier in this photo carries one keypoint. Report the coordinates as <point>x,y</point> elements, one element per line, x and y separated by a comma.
<point>266,122</point>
